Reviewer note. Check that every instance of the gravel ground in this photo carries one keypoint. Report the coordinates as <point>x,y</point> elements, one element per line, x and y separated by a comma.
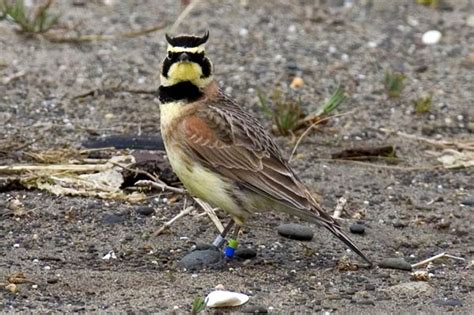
<point>413,209</point>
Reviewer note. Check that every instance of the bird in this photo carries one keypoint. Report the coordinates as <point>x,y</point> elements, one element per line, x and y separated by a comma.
<point>222,154</point>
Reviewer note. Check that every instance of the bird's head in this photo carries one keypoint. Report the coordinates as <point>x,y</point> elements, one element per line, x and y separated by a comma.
<point>186,61</point>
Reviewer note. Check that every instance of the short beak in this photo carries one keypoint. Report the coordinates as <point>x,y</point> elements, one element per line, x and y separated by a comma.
<point>184,57</point>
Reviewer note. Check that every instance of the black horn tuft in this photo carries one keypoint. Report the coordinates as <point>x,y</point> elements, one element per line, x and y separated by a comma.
<point>187,40</point>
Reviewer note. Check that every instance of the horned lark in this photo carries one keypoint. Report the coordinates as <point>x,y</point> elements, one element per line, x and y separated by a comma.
<point>222,154</point>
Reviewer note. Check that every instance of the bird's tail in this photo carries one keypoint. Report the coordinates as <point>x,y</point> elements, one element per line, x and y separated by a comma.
<point>318,215</point>
<point>336,230</point>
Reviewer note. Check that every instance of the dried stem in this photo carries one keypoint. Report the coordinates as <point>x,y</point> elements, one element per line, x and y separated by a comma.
<point>311,127</point>
<point>170,222</point>
<point>426,261</point>
<point>159,185</point>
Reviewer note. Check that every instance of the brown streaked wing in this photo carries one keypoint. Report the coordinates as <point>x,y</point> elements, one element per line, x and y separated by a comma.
<point>234,144</point>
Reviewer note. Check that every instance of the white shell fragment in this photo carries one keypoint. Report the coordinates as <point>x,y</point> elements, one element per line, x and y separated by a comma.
<point>431,37</point>
<point>220,298</point>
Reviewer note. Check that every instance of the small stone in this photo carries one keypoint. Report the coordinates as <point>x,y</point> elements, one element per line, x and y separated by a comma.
<point>448,302</point>
<point>202,259</point>
<point>295,231</point>
<point>52,280</point>
<point>145,210</point>
<point>254,309</point>
<point>470,20</point>
<point>395,263</point>
<point>468,202</point>
<point>420,275</point>
<point>112,218</point>
<point>431,37</point>
<point>399,224</point>
<point>12,288</point>
<point>245,253</point>
<point>243,32</point>
<point>297,83</point>
<point>357,228</point>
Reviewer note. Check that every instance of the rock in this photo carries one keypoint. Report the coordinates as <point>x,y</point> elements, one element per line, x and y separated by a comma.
<point>357,228</point>
<point>370,287</point>
<point>145,210</point>
<point>431,37</point>
<point>245,253</point>
<point>448,302</point>
<point>112,218</point>
<point>395,263</point>
<point>210,258</point>
<point>254,309</point>
<point>52,280</point>
<point>411,289</point>
<point>297,83</point>
<point>468,202</point>
<point>295,231</point>
<point>470,20</point>
<point>399,224</point>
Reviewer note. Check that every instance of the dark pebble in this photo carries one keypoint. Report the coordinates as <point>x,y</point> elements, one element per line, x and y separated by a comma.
<point>468,202</point>
<point>210,258</point>
<point>145,210</point>
<point>369,287</point>
<point>395,263</point>
<point>357,228</point>
<point>245,253</point>
<point>448,302</point>
<point>399,224</point>
<point>52,280</point>
<point>254,309</point>
<point>112,218</point>
<point>295,231</point>
<point>365,302</point>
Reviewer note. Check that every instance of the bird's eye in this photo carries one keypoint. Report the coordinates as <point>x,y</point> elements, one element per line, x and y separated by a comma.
<point>170,55</point>
<point>200,56</point>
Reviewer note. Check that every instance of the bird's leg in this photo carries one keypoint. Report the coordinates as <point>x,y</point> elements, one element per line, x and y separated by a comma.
<point>232,242</point>
<point>220,239</point>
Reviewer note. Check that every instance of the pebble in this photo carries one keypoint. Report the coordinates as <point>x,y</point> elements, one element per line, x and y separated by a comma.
<point>112,218</point>
<point>468,202</point>
<point>357,228</point>
<point>399,224</point>
<point>395,263</point>
<point>201,259</point>
<point>145,210</point>
<point>254,309</point>
<point>470,20</point>
<point>12,288</point>
<point>297,83</point>
<point>448,302</point>
<point>295,231</point>
<point>245,253</point>
<point>431,37</point>
<point>52,280</point>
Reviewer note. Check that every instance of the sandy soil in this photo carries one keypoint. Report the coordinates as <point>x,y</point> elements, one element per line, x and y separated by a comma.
<point>412,209</point>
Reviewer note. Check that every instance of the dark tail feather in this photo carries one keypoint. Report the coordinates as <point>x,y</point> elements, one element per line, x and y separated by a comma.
<point>336,230</point>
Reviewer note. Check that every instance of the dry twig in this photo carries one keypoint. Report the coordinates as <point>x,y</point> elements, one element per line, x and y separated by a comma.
<point>183,15</point>
<point>443,144</point>
<point>170,222</point>
<point>211,213</point>
<point>311,127</point>
<point>158,184</point>
<point>426,261</point>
